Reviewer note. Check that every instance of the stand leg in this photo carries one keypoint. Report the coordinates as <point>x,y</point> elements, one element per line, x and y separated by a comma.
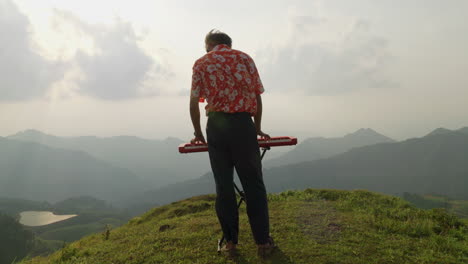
<point>264,151</point>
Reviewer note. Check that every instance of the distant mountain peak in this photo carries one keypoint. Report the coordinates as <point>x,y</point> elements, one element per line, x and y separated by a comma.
<point>30,134</point>
<point>439,131</point>
<point>367,132</point>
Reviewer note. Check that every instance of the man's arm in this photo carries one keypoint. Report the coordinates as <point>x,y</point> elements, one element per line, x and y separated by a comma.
<point>257,86</point>
<point>258,117</point>
<point>195,116</point>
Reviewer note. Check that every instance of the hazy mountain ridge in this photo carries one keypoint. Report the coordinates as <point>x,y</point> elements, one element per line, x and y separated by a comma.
<point>431,164</point>
<point>173,192</point>
<point>80,204</point>
<point>331,172</point>
<point>442,130</point>
<point>439,131</point>
<point>155,161</point>
<point>38,172</point>
<point>321,148</point>
<point>14,206</point>
<point>419,165</point>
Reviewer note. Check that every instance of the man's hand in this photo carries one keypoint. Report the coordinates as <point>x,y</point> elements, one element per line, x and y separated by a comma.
<point>198,139</point>
<point>263,135</point>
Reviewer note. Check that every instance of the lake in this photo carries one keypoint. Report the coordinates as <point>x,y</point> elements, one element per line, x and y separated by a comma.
<point>40,218</point>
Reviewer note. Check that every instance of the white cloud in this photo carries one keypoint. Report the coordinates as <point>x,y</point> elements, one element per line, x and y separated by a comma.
<point>327,56</point>
<point>25,74</point>
<point>117,68</point>
<point>103,61</point>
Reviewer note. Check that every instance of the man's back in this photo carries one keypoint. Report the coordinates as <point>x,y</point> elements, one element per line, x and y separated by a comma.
<point>228,79</point>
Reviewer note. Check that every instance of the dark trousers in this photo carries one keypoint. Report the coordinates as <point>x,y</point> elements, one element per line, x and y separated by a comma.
<point>232,143</point>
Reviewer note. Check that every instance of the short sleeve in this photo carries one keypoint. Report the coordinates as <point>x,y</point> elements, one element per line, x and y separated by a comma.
<point>197,86</point>
<point>256,81</point>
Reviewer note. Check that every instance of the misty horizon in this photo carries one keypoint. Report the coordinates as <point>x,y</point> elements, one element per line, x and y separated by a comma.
<point>300,135</point>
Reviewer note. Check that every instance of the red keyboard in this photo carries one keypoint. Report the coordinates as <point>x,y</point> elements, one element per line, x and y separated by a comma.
<point>263,143</point>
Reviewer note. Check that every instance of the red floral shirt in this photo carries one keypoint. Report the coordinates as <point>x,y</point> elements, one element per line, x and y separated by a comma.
<point>228,80</point>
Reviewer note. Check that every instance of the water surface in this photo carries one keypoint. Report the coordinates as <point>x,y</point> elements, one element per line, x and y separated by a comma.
<point>40,218</point>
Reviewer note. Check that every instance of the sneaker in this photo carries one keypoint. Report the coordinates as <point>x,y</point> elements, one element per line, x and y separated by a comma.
<point>265,250</point>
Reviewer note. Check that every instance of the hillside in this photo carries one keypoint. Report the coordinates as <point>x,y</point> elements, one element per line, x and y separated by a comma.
<point>321,148</point>
<point>174,192</point>
<point>93,215</point>
<point>319,226</point>
<point>15,241</point>
<point>155,161</point>
<point>37,172</point>
<point>13,207</point>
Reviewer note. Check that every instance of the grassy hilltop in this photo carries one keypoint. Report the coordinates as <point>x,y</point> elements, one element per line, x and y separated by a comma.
<point>311,226</point>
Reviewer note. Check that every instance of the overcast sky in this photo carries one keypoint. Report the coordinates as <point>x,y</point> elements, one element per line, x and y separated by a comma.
<point>120,67</point>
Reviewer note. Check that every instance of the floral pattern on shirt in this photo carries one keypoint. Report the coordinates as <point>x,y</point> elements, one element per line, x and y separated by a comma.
<point>228,79</point>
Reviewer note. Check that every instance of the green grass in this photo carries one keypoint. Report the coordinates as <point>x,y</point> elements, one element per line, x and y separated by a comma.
<point>311,226</point>
<point>429,201</point>
<point>45,247</point>
<point>73,233</point>
<point>80,226</point>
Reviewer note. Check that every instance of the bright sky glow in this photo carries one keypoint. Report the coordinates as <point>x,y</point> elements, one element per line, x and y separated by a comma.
<point>329,67</point>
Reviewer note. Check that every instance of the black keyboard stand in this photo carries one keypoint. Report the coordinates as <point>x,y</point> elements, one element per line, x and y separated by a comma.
<point>242,198</point>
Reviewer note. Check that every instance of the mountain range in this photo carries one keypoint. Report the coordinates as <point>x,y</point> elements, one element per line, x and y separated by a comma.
<point>320,147</point>
<point>157,162</point>
<point>37,172</point>
<point>142,173</point>
<point>436,163</point>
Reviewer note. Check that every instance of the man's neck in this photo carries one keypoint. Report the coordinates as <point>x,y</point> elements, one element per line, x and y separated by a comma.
<point>220,46</point>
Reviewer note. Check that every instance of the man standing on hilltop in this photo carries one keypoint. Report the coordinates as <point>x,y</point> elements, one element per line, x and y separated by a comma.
<point>230,83</point>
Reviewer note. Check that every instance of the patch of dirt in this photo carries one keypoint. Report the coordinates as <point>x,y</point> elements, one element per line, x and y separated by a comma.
<point>320,221</point>
<point>164,228</point>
